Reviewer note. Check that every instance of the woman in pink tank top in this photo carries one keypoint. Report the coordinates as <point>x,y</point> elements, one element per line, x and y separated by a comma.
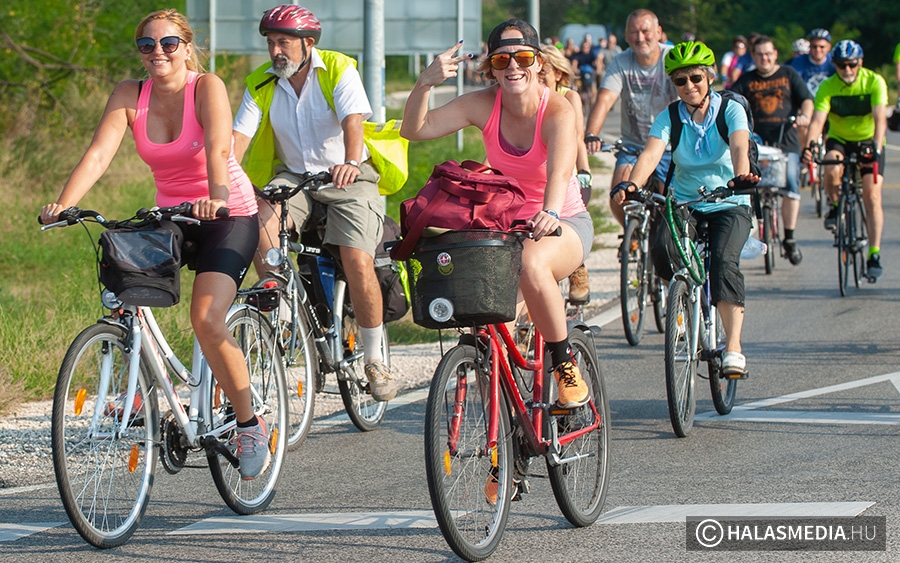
<point>181,121</point>
<point>528,133</point>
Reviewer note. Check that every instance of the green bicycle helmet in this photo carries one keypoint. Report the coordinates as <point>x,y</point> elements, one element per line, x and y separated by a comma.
<point>687,54</point>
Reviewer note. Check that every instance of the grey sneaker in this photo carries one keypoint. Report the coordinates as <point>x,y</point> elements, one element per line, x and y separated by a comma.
<point>381,381</point>
<point>252,450</point>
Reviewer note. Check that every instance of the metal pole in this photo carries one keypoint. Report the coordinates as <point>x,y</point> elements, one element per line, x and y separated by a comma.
<point>460,77</point>
<point>212,36</point>
<point>534,15</point>
<point>373,57</point>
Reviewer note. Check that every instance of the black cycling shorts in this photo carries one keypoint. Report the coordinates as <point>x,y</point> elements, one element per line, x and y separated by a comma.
<point>224,245</point>
<point>855,146</point>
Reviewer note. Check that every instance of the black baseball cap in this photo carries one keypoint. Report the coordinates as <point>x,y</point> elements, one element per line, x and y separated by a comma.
<point>529,35</point>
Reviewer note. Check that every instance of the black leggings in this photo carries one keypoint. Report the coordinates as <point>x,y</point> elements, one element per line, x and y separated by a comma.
<point>223,245</point>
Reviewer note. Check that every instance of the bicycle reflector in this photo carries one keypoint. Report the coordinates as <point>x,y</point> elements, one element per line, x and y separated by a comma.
<point>274,257</point>
<point>440,310</point>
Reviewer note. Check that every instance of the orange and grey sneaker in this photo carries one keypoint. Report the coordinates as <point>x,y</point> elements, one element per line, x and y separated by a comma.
<point>573,390</point>
<point>491,487</point>
<point>252,450</point>
<point>579,288</point>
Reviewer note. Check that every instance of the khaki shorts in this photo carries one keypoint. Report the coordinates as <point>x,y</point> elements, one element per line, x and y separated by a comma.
<point>355,216</point>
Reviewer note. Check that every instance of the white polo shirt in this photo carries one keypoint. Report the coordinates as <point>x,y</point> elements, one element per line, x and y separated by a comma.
<point>308,135</point>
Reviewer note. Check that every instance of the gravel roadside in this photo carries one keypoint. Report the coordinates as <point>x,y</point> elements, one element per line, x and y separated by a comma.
<point>25,434</point>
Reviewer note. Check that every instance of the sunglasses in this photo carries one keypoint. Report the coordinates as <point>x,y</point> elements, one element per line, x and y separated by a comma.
<point>847,64</point>
<point>147,45</point>
<point>500,61</point>
<point>682,80</point>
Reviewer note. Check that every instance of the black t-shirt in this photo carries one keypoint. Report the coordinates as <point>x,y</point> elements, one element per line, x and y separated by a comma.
<point>584,59</point>
<point>773,99</point>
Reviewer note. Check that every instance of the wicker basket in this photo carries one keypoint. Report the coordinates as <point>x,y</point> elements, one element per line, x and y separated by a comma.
<point>773,166</point>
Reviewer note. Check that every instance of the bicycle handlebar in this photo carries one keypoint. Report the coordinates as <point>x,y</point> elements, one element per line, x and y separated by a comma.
<point>281,193</point>
<point>142,216</point>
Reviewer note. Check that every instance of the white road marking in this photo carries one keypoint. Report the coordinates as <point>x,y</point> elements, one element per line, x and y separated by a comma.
<point>400,401</point>
<point>12,532</point>
<point>311,522</point>
<point>679,512</point>
<point>749,412</point>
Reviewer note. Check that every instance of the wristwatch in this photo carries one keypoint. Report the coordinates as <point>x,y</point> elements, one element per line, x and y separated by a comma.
<point>552,213</point>
<point>352,162</point>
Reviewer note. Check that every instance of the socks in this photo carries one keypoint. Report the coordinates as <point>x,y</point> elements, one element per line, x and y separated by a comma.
<point>371,340</point>
<point>788,234</point>
<point>252,422</point>
<point>559,352</point>
<point>874,250</point>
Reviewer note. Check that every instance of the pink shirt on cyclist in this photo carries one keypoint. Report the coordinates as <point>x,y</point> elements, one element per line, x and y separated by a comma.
<point>179,167</point>
<point>528,166</point>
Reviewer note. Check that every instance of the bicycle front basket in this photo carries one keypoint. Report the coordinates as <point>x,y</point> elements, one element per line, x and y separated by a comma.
<point>141,266</point>
<point>465,278</point>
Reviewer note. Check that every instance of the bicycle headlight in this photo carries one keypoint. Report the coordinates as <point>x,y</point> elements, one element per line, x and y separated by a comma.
<point>274,257</point>
<point>440,310</point>
<point>110,300</point>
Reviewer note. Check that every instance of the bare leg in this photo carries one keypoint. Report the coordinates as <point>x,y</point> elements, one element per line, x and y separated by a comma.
<point>732,321</point>
<point>365,292</point>
<point>874,211</point>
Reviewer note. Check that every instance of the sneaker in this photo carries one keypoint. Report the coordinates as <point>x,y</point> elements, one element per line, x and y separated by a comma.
<point>252,450</point>
<point>381,381</point>
<point>573,390</point>
<point>831,218</point>
<point>792,251</point>
<point>579,288</point>
<point>734,365</point>
<point>873,266</point>
<point>491,487</point>
<point>117,407</point>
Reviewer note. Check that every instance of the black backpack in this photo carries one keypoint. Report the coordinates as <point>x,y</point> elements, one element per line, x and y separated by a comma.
<point>721,126</point>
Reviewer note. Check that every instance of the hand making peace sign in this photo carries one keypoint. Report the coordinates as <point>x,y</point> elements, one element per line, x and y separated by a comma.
<point>444,66</point>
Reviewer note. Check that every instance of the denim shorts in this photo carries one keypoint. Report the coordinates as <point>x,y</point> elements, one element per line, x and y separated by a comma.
<point>662,169</point>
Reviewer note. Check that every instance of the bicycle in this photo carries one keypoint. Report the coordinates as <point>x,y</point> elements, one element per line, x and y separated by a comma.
<point>310,305</point>
<point>814,172</point>
<point>694,330</point>
<point>489,412</point>
<point>637,279</point>
<point>850,236</point>
<point>107,431</point>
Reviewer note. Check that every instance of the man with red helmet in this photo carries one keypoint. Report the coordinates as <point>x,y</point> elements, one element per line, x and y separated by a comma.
<point>303,112</point>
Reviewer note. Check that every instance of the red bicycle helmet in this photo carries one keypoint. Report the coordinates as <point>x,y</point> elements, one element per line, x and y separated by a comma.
<point>292,20</point>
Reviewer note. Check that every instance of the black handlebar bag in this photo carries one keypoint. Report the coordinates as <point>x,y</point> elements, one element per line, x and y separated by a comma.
<point>141,266</point>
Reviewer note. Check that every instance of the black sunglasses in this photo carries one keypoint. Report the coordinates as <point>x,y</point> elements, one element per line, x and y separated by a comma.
<point>500,61</point>
<point>682,80</point>
<point>146,45</point>
<point>845,64</point>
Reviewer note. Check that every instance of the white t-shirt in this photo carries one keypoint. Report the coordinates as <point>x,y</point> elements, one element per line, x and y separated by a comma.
<point>308,135</point>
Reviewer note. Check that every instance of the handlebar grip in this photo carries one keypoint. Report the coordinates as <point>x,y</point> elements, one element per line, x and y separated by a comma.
<point>223,212</point>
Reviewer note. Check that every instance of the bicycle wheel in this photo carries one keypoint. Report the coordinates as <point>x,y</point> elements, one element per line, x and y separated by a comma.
<point>104,465</point>
<point>770,237</point>
<point>300,365</point>
<point>845,236</point>
<point>818,190</point>
<point>365,412</point>
<point>633,281</point>
<point>681,358</point>
<point>256,339</point>
<point>723,389</point>
<point>861,243</point>
<point>659,297</point>
<point>581,477</point>
<point>460,467</point>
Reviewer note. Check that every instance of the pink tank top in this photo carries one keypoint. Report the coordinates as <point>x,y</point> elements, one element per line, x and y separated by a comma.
<point>179,167</point>
<point>529,168</point>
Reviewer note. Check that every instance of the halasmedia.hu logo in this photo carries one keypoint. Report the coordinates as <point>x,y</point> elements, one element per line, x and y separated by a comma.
<point>862,533</point>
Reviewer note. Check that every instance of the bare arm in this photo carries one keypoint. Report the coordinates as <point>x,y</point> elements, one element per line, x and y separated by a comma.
<point>644,167</point>
<point>581,162</point>
<point>880,115</point>
<point>816,125</point>
<point>241,142</point>
<point>214,115</point>
<point>739,142</point>
<point>116,119</point>
<point>345,174</point>
<point>604,102</point>
<point>556,132</point>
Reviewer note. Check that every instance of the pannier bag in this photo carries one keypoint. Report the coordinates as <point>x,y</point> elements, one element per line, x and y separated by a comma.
<point>465,278</point>
<point>392,277</point>
<point>141,266</point>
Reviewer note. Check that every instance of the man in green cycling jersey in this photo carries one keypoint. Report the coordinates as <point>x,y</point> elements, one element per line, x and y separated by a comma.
<point>853,100</point>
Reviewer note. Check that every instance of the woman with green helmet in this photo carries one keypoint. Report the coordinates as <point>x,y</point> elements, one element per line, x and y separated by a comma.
<point>703,158</point>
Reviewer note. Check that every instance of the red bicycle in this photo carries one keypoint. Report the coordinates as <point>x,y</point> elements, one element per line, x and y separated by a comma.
<point>490,413</point>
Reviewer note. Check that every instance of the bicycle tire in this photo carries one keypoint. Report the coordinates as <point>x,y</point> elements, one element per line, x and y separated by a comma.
<point>770,237</point>
<point>659,296</point>
<point>818,191</point>
<point>104,476</point>
<point>580,485</point>
<point>458,469</point>
<point>256,339</point>
<point>633,281</point>
<point>681,358</point>
<point>300,364</point>
<point>845,250</point>
<point>862,242</point>
<point>365,412</point>
<point>723,389</point>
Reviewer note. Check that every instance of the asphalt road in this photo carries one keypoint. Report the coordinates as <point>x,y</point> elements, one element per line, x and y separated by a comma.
<point>815,432</point>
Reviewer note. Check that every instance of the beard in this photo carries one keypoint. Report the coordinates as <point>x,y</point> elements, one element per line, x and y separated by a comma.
<point>284,67</point>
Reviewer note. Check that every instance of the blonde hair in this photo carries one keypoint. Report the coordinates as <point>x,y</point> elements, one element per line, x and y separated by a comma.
<point>555,60</point>
<point>184,31</point>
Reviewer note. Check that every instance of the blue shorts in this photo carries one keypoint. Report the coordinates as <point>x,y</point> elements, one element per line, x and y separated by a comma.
<point>792,190</point>
<point>662,169</point>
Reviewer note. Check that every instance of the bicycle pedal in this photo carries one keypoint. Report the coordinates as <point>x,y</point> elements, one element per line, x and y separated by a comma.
<point>744,375</point>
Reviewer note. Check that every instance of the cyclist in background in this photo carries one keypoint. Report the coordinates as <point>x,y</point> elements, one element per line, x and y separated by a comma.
<point>853,101</point>
<point>704,159</point>
<point>584,63</point>
<point>178,118</point>
<point>776,92</point>
<point>638,76</point>
<point>730,59</point>
<point>528,134</point>
<point>799,47</point>
<point>814,67</point>
<point>291,128</point>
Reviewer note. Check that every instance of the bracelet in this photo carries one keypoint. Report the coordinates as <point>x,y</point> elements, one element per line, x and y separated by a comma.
<point>552,213</point>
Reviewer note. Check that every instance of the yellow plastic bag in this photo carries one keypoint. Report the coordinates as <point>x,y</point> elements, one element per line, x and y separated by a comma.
<point>388,151</point>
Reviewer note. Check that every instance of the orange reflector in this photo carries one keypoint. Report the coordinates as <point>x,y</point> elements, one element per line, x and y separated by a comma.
<point>300,389</point>
<point>447,462</point>
<point>80,396</point>
<point>273,439</point>
<point>351,341</point>
<point>494,457</point>
<point>634,317</point>
<point>634,245</point>
<point>133,458</point>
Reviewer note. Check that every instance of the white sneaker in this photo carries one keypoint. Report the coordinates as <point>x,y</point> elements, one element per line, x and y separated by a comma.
<point>734,365</point>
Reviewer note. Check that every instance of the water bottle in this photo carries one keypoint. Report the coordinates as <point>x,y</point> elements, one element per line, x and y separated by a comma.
<point>326,275</point>
<point>753,248</point>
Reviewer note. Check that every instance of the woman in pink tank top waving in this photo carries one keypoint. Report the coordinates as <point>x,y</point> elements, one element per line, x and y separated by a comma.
<point>527,132</point>
<point>181,122</point>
